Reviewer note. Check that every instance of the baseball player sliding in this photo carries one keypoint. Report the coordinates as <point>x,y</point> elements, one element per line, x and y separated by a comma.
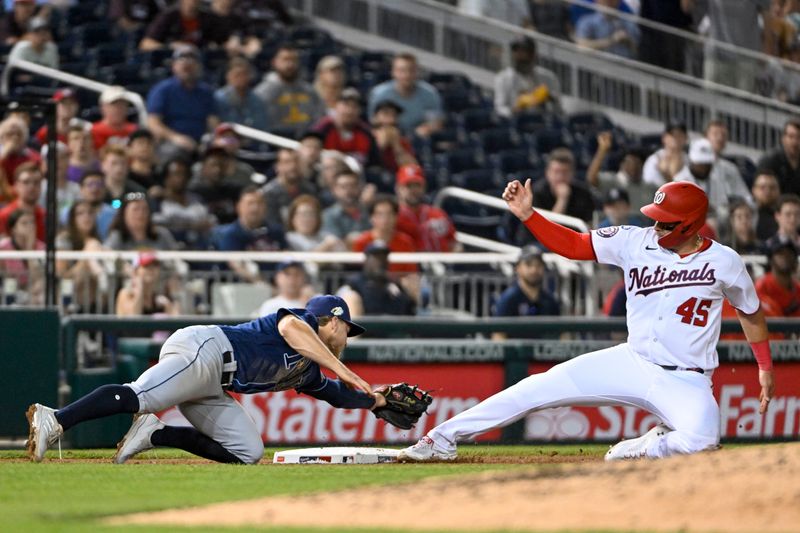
<point>198,364</point>
<point>675,283</point>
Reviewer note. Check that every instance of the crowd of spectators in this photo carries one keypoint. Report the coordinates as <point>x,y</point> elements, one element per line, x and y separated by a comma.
<point>180,181</point>
<point>771,27</point>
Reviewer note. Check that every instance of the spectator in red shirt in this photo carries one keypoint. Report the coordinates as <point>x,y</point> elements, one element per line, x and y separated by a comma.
<point>28,189</point>
<point>779,284</point>
<point>395,148</point>
<point>383,217</point>
<point>347,133</point>
<point>114,127</point>
<point>66,109</point>
<point>432,229</point>
<point>13,147</point>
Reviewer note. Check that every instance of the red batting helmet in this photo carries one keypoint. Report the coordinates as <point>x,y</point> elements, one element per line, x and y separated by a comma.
<point>681,202</point>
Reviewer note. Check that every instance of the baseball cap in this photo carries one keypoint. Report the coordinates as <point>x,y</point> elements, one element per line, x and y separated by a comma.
<point>289,263</point>
<point>410,174</point>
<point>350,94</point>
<point>330,305</point>
<point>616,194</point>
<point>187,51</point>
<point>377,246</point>
<point>221,145</point>
<point>701,152</point>
<point>145,259</point>
<point>64,94</point>
<point>223,128</point>
<point>530,252</point>
<point>113,94</point>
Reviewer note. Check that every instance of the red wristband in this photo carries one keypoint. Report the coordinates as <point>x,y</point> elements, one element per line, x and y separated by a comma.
<point>762,354</point>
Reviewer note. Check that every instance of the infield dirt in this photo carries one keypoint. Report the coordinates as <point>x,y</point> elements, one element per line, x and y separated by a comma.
<point>749,489</point>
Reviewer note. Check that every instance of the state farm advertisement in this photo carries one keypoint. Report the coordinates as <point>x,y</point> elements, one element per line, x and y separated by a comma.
<point>288,417</point>
<point>735,387</point>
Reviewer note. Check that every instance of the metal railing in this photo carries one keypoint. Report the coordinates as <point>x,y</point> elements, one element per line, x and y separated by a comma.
<point>448,284</point>
<point>84,83</point>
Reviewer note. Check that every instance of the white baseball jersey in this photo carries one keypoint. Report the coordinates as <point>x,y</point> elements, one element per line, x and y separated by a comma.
<point>674,304</point>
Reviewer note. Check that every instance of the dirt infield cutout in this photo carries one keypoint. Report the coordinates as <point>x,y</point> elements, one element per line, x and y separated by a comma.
<point>751,489</point>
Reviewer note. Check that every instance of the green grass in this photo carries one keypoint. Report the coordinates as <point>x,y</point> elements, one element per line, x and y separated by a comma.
<point>72,496</point>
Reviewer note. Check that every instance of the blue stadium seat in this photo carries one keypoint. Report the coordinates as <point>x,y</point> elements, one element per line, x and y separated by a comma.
<point>445,81</point>
<point>547,140</point>
<point>508,161</point>
<point>460,160</point>
<point>534,173</point>
<point>480,180</point>
<point>589,123</point>
<point>458,99</point>
<point>77,67</point>
<point>473,218</point>
<point>152,59</point>
<point>82,13</point>
<point>122,74</point>
<point>479,119</point>
<point>376,62</point>
<point>650,142</point>
<point>92,34</point>
<point>107,54</point>
<point>309,37</point>
<point>444,140</point>
<point>497,139</point>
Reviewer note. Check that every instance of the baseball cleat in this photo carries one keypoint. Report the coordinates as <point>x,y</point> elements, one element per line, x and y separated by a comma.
<point>137,439</point>
<point>44,430</point>
<point>636,448</point>
<point>425,450</point>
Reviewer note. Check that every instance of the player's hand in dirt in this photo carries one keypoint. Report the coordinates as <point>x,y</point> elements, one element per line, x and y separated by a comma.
<point>519,199</point>
<point>766,378</point>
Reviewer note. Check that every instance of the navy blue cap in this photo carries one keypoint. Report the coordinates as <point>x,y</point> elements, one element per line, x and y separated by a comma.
<point>330,305</point>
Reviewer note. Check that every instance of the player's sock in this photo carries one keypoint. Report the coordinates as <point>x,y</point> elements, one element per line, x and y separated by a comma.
<point>192,441</point>
<point>103,401</point>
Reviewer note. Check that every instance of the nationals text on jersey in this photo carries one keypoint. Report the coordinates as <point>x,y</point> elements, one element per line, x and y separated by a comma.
<point>661,279</point>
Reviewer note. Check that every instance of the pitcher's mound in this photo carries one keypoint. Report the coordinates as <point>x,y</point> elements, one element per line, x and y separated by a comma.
<point>749,489</point>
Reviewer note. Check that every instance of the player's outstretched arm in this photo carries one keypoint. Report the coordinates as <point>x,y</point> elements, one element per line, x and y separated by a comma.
<point>302,338</point>
<point>556,238</point>
<point>755,329</point>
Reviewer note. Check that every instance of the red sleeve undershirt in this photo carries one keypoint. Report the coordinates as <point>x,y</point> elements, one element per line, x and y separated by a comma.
<point>558,239</point>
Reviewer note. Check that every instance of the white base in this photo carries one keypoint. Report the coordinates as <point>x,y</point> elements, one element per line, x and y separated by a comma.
<point>339,455</point>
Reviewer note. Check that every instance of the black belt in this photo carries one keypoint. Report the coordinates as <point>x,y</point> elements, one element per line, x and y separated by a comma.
<point>693,369</point>
<point>228,369</point>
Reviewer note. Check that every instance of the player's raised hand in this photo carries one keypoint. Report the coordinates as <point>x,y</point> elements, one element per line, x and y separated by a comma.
<point>519,198</point>
<point>766,378</point>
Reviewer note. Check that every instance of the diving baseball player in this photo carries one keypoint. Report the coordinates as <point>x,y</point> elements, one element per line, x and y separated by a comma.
<point>675,282</point>
<point>198,364</point>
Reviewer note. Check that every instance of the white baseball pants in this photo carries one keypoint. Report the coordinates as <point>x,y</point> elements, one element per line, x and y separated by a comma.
<point>613,376</point>
<point>188,375</point>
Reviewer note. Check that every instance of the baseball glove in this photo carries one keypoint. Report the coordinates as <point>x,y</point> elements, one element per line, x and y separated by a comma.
<point>404,405</point>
